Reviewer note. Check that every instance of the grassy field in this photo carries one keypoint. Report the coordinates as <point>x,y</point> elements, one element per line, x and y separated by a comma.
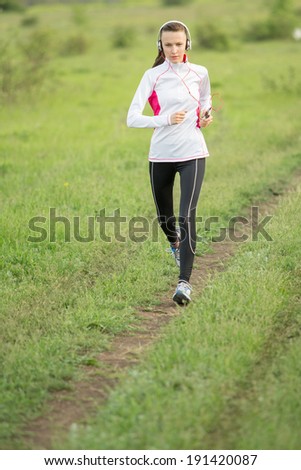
<point>65,145</point>
<point>226,375</point>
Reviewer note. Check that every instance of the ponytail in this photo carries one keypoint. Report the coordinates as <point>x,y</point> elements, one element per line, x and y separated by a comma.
<point>159,59</point>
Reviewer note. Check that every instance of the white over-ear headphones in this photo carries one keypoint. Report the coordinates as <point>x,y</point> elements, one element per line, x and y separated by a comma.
<point>188,42</point>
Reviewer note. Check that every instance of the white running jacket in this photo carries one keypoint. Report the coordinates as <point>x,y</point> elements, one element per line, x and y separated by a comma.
<point>170,88</point>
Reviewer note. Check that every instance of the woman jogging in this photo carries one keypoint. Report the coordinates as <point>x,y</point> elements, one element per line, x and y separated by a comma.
<point>179,94</point>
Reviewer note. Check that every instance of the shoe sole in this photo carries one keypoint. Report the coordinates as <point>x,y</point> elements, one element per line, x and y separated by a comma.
<point>180,299</point>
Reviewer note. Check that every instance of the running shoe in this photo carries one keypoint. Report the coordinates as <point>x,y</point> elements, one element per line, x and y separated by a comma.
<point>175,252</point>
<point>182,293</point>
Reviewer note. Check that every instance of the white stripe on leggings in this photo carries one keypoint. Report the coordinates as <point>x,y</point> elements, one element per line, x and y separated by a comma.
<point>189,207</point>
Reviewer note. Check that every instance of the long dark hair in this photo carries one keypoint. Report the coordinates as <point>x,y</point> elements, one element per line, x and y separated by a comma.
<point>171,26</point>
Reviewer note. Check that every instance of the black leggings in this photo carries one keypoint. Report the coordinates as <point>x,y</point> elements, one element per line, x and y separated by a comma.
<point>162,177</point>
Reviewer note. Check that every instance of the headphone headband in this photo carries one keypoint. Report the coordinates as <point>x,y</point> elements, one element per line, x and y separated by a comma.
<point>188,42</point>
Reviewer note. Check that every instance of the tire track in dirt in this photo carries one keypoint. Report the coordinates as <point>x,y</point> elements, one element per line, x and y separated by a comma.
<point>66,408</point>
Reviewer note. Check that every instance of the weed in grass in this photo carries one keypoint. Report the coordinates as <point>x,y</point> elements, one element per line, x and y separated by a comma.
<point>278,25</point>
<point>211,36</point>
<point>11,5</point>
<point>29,21</point>
<point>74,45</point>
<point>26,69</point>
<point>123,37</point>
<point>79,16</point>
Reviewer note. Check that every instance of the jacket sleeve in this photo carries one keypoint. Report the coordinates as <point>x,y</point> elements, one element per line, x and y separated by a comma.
<point>205,94</point>
<point>135,118</point>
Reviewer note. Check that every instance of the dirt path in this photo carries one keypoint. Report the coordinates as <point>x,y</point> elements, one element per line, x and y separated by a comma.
<point>74,406</point>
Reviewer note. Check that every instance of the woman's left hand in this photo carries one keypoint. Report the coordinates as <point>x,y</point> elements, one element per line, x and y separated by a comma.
<point>205,122</point>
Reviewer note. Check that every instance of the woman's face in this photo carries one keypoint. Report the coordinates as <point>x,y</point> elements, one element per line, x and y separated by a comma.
<point>174,43</point>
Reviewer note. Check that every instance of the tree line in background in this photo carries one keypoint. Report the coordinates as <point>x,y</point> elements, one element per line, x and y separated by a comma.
<point>25,66</point>
<point>278,24</point>
<point>18,5</point>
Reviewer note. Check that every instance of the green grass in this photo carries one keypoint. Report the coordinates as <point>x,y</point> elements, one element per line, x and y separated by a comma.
<point>226,374</point>
<point>66,146</point>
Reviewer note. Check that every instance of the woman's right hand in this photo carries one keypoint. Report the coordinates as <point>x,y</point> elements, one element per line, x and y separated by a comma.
<point>178,117</point>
